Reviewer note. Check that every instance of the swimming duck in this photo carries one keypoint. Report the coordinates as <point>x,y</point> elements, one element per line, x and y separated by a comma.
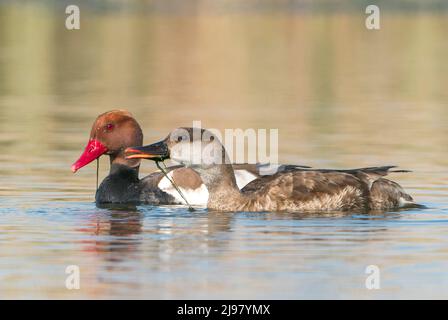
<point>113,132</point>
<point>295,189</point>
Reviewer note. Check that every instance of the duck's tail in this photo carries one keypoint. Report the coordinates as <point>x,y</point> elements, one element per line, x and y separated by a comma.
<point>384,193</point>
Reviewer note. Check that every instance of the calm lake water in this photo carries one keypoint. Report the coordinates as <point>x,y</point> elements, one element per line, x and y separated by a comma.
<point>340,95</point>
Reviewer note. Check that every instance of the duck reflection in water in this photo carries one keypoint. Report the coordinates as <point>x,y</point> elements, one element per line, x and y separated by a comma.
<point>118,232</point>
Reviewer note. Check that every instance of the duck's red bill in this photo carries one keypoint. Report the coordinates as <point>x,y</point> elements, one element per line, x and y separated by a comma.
<point>93,151</point>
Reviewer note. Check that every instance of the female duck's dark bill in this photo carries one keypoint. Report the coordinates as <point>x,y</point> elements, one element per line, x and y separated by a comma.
<point>156,151</point>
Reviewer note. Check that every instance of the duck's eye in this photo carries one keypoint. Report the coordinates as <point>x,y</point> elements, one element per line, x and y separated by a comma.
<point>179,139</point>
<point>109,127</point>
<point>212,138</point>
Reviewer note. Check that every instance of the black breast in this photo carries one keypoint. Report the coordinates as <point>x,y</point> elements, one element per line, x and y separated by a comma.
<point>123,186</point>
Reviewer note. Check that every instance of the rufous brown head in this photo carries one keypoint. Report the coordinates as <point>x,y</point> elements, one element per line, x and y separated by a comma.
<point>112,132</point>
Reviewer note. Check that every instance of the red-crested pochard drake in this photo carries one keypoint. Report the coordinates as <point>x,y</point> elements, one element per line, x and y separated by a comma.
<point>361,189</point>
<point>113,132</point>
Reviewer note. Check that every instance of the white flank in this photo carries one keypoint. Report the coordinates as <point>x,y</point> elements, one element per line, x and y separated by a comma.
<point>196,197</point>
<point>199,196</point>
<point>243,177</point>
<point>404,203</point>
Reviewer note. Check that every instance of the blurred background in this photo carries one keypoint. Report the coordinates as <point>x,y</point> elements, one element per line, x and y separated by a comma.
<point>340,95</point>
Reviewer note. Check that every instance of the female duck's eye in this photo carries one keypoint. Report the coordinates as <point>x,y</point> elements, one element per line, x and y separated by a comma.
<point>109,126</point>
<point>212,138</point>
<point>179,139</point>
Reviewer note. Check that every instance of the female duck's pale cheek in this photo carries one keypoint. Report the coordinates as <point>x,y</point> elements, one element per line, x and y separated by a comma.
<point>212,154</point>
<point>180,154</point>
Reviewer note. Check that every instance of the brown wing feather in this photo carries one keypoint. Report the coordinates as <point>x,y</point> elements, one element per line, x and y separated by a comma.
<point>183,177</point>
<point>256,168</point>
<point>307,190</point>
<point>324,188</point>
<point>152,180</point>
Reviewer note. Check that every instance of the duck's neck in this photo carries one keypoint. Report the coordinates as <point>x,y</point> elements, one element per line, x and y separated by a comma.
<point>120,165</point>
<point>221,185</point>
<point>124,171</point>
<point>122,185</point>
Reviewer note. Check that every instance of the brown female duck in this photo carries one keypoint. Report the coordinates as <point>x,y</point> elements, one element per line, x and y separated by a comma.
<point>291,190</point>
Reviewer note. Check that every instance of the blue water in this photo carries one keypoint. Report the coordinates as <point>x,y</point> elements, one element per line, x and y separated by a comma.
<point>163,253</point>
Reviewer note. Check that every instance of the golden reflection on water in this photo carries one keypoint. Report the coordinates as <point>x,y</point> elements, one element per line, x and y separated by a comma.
<point>334,89</point>
<point>340,95</point>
